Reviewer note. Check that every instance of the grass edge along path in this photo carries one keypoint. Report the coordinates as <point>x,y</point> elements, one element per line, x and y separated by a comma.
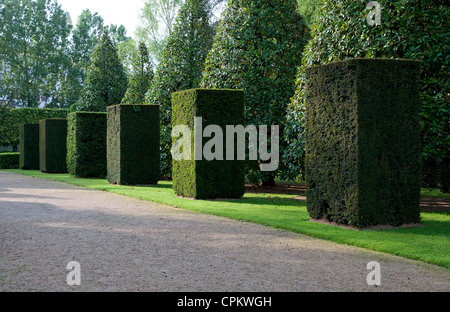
<point>429,243</point>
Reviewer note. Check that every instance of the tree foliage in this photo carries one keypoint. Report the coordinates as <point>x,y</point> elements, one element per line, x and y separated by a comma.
<point>309,9</point>
<point>157,19</point>
<point>180,68</point>
<point>85,37</point>
<point>157,22</point>
<point>410,29</point>
<point>34,37</point>
<point>106,81</point>
<point>257,48</point>
<point>141,77</point>
<point>43,58</point>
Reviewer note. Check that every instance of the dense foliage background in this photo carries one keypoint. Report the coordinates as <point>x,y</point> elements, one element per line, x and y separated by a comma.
<point>11,119</point>
<point>141,77</point>
<point>257,48</point>
<point>410,29</point>
<point>180,69</point>
<point>44,54</point>
<point>106,81</point>
<point>46,59</point>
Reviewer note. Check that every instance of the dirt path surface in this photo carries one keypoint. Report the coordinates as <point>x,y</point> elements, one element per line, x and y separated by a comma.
<point>125,244</point>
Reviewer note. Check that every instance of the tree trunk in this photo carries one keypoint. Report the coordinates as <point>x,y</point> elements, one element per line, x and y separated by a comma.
<point>270,181</point>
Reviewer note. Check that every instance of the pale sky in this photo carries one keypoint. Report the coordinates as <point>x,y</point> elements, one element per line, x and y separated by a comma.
<point>117,12</point>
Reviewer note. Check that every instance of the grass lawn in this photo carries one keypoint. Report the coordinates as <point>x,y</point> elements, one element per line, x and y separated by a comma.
<point>429,243</point>
<point>434,193</point>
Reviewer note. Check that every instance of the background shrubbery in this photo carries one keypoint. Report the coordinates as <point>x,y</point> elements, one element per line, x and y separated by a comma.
<point>11,119</point>
<point>9,160</point>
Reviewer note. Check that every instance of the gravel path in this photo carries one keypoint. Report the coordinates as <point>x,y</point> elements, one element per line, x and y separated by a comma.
<point>125,244</point>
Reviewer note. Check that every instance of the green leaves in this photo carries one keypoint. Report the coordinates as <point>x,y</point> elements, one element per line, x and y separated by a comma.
<point>180,68</point>
<point>410,29</point>
<point>12,118</point>
<point>258,48</point>
<point>106,82</point>
<point>33,45</point>
<point>141,77</point>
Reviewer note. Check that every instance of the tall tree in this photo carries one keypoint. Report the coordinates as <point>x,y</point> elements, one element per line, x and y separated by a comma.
<point>52,55</point>
<point>106,81</point>
<point>157,19</point>
<point>157,22</point>
<point>85,37</point>
<point>411,29</point>
<point>141,77</point>
<point>126,46</point>
<point>33,45</point>
<point>180,68</point>
<point>15,49</point>
<point>257,48</point>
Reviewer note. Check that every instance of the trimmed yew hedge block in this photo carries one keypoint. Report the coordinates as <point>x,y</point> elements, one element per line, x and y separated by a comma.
<point>86,144</point>
<point>9,160</point>
<point>29,146</point>
<point>133,144</point>
<point>363,142</point>
<point>203,179</point>
<point>52,145</point>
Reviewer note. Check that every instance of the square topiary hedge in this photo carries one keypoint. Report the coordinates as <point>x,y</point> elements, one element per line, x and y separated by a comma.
<point>29,146</point>
<point>363,142</point>
<point>52,145</point>
<point>133,139</point>
<point>86,144</point>
<point>9,160</point>
<point>203,179</point>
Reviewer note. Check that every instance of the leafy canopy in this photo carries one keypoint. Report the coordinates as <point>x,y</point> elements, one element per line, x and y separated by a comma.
<point>180,68</point>
<point>141,77</point>
<point>410,29</point>
<point>106,81</point>
<point>258,48</point>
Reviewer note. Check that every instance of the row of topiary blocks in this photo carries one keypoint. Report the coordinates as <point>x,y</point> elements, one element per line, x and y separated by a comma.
<point>362,143</point>
<point>123,144</point>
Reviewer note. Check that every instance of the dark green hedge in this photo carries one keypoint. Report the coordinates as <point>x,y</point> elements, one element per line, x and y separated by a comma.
<point>133,153</point>
<point>86,144</point>
<point>363,142</point>
<point>53,145</point>
<point>9,160</point>
<point>29,146</point>
<point>208,179</point>
<point>12,118</point>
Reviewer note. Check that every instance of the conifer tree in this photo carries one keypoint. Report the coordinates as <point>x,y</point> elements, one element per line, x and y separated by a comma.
<point>408,29</point>
<point>181,68</point>
<point>106,81</point>
<point>141,77</point>
<point>258,48</point>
